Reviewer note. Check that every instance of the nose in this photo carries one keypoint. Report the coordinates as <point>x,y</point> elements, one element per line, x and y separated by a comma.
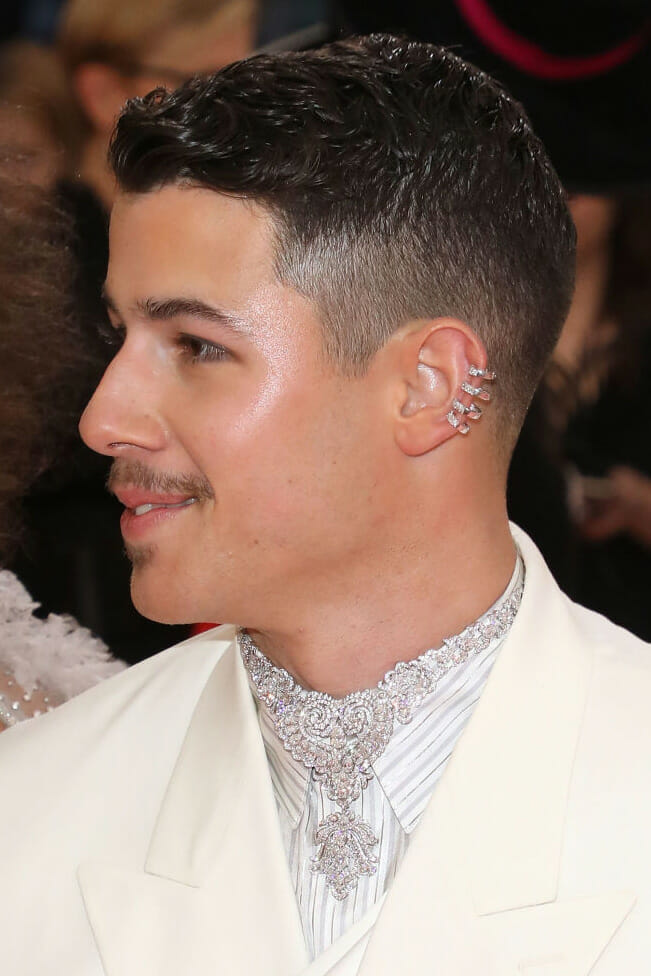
<point>121,418</point>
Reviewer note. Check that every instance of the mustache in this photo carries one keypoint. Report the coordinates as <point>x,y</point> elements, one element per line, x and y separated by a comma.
<point>135,474</point>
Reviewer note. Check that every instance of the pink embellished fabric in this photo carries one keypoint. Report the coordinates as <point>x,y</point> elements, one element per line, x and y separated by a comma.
<point>43,662</point>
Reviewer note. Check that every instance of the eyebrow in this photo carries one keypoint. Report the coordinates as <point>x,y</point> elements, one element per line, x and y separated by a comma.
<point>165,309</point>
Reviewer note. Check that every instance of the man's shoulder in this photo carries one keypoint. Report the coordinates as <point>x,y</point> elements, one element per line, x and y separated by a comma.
<point>620,681</point>
<point>610,663</point>
<point>609,641</point>
<point>139,705</point>
<point>552,616</point>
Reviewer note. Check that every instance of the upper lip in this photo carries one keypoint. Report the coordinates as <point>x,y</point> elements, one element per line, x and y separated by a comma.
<point>135,497</point>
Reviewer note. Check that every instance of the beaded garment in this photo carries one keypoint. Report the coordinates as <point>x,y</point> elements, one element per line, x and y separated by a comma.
<point>43,662</point>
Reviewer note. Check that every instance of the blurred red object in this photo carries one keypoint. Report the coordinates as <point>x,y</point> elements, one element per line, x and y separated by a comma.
<point>201,628</point>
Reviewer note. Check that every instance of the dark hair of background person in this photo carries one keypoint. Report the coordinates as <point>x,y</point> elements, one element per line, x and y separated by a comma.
<point>41,345</point>
<point>402,182</point>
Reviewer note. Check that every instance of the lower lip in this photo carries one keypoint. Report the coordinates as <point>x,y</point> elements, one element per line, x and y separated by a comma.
<point>135,526</point>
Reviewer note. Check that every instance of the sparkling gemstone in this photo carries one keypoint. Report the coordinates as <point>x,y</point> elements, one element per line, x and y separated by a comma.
<point>340,739</point>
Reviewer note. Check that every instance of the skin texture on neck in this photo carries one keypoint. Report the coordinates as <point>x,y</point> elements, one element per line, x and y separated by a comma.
<point>437,576</point>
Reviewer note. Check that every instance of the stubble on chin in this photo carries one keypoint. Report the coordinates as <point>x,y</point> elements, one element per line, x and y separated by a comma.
<point>139,556</point>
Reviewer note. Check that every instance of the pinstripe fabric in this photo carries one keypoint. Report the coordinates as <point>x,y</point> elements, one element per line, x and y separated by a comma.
<point>405,777</point>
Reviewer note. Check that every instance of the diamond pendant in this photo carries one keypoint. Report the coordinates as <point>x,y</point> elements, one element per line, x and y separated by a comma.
<point>341,739</point>
<point>344,851</point>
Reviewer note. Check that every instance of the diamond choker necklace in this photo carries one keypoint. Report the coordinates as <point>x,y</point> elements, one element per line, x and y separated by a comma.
<point>341,738</point>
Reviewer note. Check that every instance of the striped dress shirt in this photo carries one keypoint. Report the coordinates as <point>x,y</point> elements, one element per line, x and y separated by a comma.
<point>405,776</point>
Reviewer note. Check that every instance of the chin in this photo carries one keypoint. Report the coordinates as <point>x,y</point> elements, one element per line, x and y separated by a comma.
<point>157,601</point>
<point>159,597</point>
<point>153,592</point>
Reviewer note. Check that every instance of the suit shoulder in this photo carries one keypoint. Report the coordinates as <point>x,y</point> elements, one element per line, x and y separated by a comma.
<point>617,715</point>
<point>144,697</point>
<point>611,643</point>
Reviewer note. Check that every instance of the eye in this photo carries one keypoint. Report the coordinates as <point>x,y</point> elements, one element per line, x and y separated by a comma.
<point>198,350</point>
<point>112,335</point>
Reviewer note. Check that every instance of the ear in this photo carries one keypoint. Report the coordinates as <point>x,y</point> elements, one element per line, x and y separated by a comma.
<point>101,92</point>
<point>435,357</point>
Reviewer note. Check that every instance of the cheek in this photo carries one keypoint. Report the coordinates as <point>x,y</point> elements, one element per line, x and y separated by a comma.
<point>290,464</point>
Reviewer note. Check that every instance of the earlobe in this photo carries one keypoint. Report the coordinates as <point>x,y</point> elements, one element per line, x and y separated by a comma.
<point>444,369</point>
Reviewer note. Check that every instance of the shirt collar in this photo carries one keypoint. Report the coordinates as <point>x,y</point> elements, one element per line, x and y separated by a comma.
<point>414,759</point>
<point>290,778</point>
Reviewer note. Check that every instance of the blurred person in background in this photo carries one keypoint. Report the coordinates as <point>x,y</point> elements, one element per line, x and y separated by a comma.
<point>33,20</point>
<point>111,50</point>
<point>42,662</point>
<point>603,359</point>
<point>292,23</point>
<point>580,480</point>
<point>114,50</point>
<point>37,119</point>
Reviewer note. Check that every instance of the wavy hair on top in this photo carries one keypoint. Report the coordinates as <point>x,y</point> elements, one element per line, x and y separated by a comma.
<point>403,184</point>
<point>42,350</point>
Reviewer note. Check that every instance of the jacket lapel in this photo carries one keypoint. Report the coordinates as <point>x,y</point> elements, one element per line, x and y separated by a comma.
<point>215,893</point>
<point>479,884</point>
<point>478,891</point>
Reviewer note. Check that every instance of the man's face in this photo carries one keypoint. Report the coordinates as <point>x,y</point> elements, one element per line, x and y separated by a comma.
<point>266,469</point>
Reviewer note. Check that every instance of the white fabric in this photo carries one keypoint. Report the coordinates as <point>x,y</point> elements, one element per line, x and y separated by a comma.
<point>404,778</point>
<point>141,836</point>
<point>55,655</point>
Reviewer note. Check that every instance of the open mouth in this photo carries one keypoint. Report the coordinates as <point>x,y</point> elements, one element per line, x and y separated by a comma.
<point>150,506</point>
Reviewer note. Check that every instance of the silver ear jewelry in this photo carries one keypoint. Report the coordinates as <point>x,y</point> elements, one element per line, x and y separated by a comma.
<point>462,412</point>
<point>485,374</point>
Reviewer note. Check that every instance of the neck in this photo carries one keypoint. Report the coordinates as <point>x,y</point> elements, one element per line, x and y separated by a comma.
<point>341,642</point>
<point>94,170</point>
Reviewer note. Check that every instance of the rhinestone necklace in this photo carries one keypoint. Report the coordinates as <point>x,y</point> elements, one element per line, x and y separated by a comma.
<point>341,738</point>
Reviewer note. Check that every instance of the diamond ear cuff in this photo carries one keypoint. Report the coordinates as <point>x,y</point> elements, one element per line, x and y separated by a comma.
<point>460,412</point>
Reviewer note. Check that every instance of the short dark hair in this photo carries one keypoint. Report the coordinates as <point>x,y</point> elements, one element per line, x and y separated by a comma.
<point>403,183</point>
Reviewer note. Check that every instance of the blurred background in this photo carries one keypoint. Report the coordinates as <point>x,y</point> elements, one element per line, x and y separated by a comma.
<point>580,482</point>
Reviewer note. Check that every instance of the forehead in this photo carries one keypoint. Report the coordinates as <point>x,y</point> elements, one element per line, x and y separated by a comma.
<point>178,240</point>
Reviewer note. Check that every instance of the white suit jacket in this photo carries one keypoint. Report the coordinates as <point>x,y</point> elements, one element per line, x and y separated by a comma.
<point>140,835</point>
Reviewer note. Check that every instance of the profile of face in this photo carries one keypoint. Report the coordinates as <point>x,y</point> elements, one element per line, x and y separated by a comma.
<point>248,466</point>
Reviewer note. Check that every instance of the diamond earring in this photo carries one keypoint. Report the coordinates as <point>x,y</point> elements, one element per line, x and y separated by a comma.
<point>460,411</point>
<point>485,374</point>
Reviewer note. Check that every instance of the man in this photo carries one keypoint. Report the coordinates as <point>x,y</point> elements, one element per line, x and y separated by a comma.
<point>335,278</point>
<point>111,50</point>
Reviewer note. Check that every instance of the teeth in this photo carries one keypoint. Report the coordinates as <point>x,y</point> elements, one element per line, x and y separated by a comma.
<point>143,509</point>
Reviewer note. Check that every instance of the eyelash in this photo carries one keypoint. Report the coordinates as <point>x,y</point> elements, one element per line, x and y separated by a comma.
<point>200,350</point>
<point>192,348</point>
